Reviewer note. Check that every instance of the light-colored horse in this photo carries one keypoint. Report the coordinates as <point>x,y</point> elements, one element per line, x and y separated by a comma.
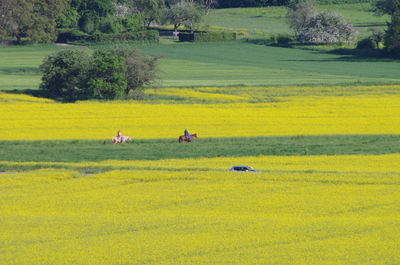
<point>121,139</point>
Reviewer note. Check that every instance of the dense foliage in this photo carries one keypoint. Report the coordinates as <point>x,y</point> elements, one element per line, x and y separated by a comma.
<point>183,13</point>
<point>366,43</point>
<point>32,19</point>
<point>300,14</point>
<point>65,75</point>
<point>392,36</point>
<point>72,75</point>
<point>329,27</point>
<point>386,6</point>
<point>207,36</point>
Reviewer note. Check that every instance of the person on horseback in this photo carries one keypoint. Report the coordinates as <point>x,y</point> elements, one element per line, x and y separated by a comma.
<point>187,135</point>
<point>119,135</point>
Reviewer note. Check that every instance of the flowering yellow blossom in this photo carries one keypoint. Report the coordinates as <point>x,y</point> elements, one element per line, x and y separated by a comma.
<point>290,212</point>
<point>291,116</point>
<point>388,163</point>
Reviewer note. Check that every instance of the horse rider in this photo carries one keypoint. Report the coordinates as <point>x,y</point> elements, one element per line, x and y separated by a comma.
<point>187,135</point>
<point>119,135</point>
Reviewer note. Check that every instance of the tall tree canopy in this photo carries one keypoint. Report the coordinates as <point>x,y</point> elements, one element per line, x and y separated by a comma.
<point>392,36</point>
<point>183,13</point>
<point>33,19</point>
<point>386,6</point>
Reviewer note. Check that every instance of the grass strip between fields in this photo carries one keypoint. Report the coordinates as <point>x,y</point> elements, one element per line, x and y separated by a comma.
<point>156,149</point>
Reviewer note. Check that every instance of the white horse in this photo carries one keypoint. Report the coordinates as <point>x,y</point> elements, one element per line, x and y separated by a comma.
<point>121,139</point>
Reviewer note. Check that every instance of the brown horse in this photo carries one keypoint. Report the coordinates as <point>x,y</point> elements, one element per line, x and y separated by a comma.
<point>184,138</point>
<point>121,139</point>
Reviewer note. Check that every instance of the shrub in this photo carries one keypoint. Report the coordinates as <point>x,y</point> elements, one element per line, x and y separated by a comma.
<point>207,36</point>
<point>140,71</point>
<point>329,27</point>
<point>281,39</point>
<point>65,74</point>
<point>366,43</point>
<point>106,79</point>
<point>72,75</point>
<point>110,25</point>
<point>68,35</point>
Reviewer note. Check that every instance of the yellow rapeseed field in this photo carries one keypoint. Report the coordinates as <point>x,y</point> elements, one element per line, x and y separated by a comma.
<point>31,119</point>
<point>387,163</point>
<point>341,209</point>
<point>297,210</point>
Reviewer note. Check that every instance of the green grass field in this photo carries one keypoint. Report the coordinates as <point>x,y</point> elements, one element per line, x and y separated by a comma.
<point>241,63</point>
<point>84,150</point>
<point>269,21</point>
<point>19,66</point>
<point>223,64</point>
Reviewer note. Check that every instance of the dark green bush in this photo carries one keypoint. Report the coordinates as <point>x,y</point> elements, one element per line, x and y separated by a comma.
<point>366,43</point>
<point>207,36</point>
<point>69,35</point>
<point>284,39</point>
<point>65,75</point>
<point>71,75</point>
<point>74,35</point>
<point>110,25</point>
<point>281,39</point>
<point>106,79</point>
<point>140,36</point>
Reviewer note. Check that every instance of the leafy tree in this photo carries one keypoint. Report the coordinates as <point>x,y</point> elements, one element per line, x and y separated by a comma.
<point>300,14</point>
<point>207,4</point>
<point>150,10</point>
<point>186,13</point>
<point>377,37</point>
<point>106,76</point>
<point>386,6</point>
<point>72,75</point>
<point>392,36</point>
<point>140,71</point>
<point>87,14</point>
<point>69,19</point>
<point>65,74</point>
<point>33,19</point>
<point>328,27</point>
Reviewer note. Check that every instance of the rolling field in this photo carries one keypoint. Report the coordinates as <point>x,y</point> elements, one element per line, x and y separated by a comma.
<point>288,116</point>
<point>327,191</point>
<point>267,21</point>
<point>223,65</point>
<point>297,210</point>
<point>322,129</point>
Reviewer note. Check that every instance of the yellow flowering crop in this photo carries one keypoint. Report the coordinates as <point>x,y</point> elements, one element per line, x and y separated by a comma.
<point>388,163</point>
<point>293,212</point>
<point>290,116</point>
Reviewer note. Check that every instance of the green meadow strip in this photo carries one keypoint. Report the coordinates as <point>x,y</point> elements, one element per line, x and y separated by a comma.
<point>85,150</point>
